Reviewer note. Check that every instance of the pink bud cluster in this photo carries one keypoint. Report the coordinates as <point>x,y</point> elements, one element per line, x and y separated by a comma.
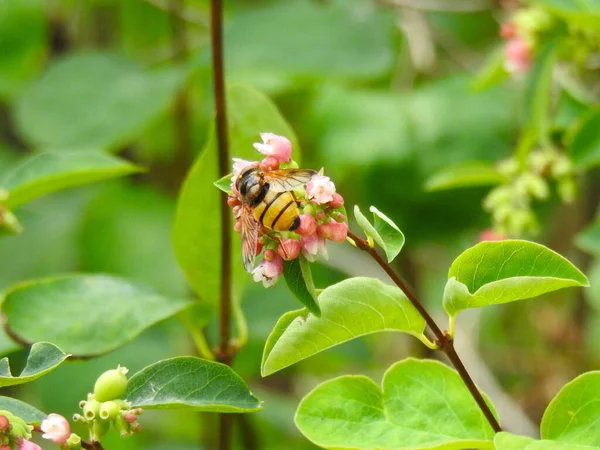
<point>518,51</point>
<point>320,218</point>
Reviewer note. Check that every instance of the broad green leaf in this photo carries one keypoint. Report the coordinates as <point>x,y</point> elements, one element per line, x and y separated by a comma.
<point>465,175</point>
<point>585,147</point>
<point>43,358</point>
<point>192,383</point>
<point>197,228</point>
<point>224,184</point>
<point>508,441</point>
<point>352,308</point>
<point>506,271</point>
<point>47,172</point>
<point>384,232</point>
<point>493,71</point>
<point>420,405</point>
<point>298,277</point>
<point>538,92</point>
<point>572,416</point>
<point>94,100</point>
<point>21,409</point>
<point>85,315</point>
<point>23,43</point>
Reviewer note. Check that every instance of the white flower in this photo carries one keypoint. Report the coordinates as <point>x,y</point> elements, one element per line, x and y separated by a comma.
<point>277,146</point>
<point>268,271</point>
<point>56,428</point>
<point>313,245</point>
<point>320,189</point>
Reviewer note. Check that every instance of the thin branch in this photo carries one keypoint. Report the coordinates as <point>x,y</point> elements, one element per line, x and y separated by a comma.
<point>94,445</point>
<point>445,341</point>
<point>225,353</point>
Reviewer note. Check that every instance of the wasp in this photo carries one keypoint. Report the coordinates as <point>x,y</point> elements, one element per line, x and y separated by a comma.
<point>268,201</point>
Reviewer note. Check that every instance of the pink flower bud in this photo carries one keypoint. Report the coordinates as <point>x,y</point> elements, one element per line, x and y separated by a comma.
<point>320,189</point>
<point>270,254</point>
<point>312,246</point>
<point>233,201</point>
<point>308,225</point>
<point>508,30</point>
<point>56,428</point>
<point>321,215</point>
<point>23,444</point>
<point>340,231</point>
<point>129,417</point>
<point>4,423</point>
<point>277,146</point>
<point>6,447</point>
<point>490,235</point>
<point>289,249</point>
<point>337,202</point>
<point>259,247</point>
<point>238,226</point>
<point>269,163</point>
<point>517,54</point>
<point>325,230</point>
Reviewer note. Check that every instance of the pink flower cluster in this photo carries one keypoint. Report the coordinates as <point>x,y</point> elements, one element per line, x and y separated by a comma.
<point>55,428</point>
<point>320,218</point>
<point>518,52</point>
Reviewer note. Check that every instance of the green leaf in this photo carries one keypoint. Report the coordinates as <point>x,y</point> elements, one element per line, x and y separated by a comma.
<point>43,358</point>
<point>21,409</point>
<point>47,172</point>
<point>298,277</point>
<point>224,184</point>
<point>94,100</point>
<point>537,95</point>
<point>85,315</point>
<point>421,404</point>
<point>352,308</point>
<point>508,441</point>
<point>197,228</point>
<point>506,271</point>
<point>585,147</point>
<point>465,175</point>
<point>190,383</point>
<point>493,71</point>
<point>572,416</point>
<point>385,232</point>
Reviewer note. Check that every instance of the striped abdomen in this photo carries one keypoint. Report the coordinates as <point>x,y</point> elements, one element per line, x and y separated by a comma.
<point>278,211</point>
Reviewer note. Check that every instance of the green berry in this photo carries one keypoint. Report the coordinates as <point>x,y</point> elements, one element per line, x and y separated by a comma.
<point>91,409</point>
<point>108,410</point>
<point>111,385</point>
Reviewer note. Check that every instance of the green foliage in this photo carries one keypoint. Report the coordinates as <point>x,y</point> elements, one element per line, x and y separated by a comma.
<point>97,313</point>
<point>491,273</point>
<point>193,384</point>
<point>46,172</point>
<point>196,231</point>
<point>585,147</point>
<point>465,175</point>
<point>21,409</point>
<point>298,276</point>
<point>383,231</point>
<point>110,99</point>
<point>421,404</point>
<point>43,358</point>
<point>349,309</point>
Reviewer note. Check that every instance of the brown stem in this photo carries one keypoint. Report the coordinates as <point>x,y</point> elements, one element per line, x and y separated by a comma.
<point>225,352</point>
<point>94,445</point>
<point>445,341</point>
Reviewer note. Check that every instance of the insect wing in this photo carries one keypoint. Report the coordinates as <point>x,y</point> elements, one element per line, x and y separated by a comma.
<point>287,179</point>
<point>249,233</point>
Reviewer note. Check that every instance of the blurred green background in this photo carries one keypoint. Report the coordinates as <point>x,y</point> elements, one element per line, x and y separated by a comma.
<point>379,93</point>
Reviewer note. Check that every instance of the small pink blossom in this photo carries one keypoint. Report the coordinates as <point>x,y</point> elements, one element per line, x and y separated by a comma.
<point>23,444</point>
<point>340,231</point>
<point>312,246</point>
<point>4,423</point>
<point>337,201</point>
<point>508,30</point>
<point>320,189</point>
<point>289,249</point>
<point>129,417</point>
<point>308,225</point>
<point>517,55</point>
<point>268,164</point>
<point>233,201</point>
<point>277,146</point>
<point>56,428</point>
<point>268,271</point>
<point>490,235</point>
